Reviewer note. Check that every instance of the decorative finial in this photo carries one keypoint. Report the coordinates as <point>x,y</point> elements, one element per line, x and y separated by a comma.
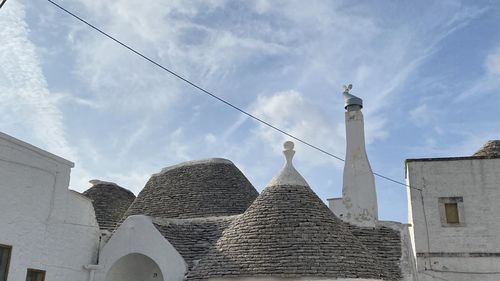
<point>288,152</point>
<point>288,145</point>
<point>288,175</point>
<point>347,88</point>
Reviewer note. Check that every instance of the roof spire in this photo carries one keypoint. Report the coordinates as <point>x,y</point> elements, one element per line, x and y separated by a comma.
<point>288,174</point>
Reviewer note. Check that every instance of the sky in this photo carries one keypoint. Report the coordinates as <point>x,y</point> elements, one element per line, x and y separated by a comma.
<point>428,73</point>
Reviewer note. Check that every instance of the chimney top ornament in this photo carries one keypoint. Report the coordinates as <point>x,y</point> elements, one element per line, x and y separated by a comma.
<point>351,102</point>
<point>347,88</point>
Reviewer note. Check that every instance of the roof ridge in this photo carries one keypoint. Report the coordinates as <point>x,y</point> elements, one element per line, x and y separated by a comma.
<point>195,162</point>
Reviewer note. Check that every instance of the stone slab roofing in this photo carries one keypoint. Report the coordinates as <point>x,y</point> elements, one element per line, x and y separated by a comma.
<point>289,232</point>
<point>490,148</point>
<point>193,238</point>
<point>206,188</point>
<point>110,202</point>
<point>385,243</point>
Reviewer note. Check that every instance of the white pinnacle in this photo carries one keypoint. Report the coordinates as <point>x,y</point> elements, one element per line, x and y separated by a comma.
<point>288,174</point>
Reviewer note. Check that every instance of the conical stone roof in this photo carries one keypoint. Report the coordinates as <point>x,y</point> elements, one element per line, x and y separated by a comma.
<point>288,232</point>
<point>110,202</point>
<point>490,149</point>
<point>205,188</point>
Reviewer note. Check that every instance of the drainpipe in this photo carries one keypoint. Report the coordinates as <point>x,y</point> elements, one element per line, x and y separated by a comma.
<point>92,268</point>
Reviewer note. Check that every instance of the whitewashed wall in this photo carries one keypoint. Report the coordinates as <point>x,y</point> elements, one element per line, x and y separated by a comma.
<point>48,226</point>
<point>462,253</point>
<point>138,249</point>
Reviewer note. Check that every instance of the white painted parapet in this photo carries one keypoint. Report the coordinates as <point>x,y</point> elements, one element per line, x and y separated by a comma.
<point>359,199</point>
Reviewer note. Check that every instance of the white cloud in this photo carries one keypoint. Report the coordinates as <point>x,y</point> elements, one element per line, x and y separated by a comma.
<point>489,82</point>
<point>134,181</point>
<point>493,62</point>
<point>292,113</point>
<point>420,115</point>
<point>210,138</point>
<point>178,148</point>
<point>26,100</point>
<point>171,33</point>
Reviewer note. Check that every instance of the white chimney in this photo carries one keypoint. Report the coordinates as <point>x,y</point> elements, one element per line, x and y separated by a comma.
<point>358,204</point>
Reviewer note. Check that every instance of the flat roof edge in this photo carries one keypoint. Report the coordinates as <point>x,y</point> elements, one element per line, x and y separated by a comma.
<point>450,158</point>
<point>36,150</point>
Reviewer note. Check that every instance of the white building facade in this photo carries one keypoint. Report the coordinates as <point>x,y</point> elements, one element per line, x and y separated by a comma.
<point>453,208</point>
<point>46,230</point>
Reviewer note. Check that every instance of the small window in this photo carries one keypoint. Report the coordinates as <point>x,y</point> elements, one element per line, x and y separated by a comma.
<point>451,210</point>
<point>35,275</point>
<point>4,261</point>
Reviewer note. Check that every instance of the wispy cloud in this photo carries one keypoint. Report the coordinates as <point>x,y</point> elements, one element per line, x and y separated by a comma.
<point>290,111</point>
<point>489,82</point>
<point>27,102</point>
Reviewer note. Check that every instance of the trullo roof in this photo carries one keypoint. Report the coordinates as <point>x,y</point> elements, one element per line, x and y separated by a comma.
<point>490,149</point>
<point>110,202</point>
<point>204,188</point>
<point>288,232</point>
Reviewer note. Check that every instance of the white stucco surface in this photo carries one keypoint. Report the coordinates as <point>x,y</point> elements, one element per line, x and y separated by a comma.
<point>48,226</point>
<point>471,250</point>
<point>359,199</point>
<point>136,237</point>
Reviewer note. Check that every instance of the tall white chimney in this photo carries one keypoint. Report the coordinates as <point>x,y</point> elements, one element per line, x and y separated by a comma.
<point>359,199</point>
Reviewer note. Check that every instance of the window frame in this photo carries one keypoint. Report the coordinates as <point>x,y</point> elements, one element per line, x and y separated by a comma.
<point>7,266</point>
<point>34,270</point>
<point>459,201</point>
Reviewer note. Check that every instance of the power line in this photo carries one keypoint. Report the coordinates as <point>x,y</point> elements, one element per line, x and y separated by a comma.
<point>2,3</point>
<point>211,94</point>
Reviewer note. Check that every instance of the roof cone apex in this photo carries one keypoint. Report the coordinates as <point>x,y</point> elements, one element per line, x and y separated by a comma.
<point>288,174</point>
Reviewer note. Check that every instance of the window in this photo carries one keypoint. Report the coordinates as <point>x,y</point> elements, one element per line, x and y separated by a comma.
<point>451,210</point>
<point>4,261</point>
<point>35,275</point>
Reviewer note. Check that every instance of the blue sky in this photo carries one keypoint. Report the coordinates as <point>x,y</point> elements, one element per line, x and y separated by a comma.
<point>428,72</point>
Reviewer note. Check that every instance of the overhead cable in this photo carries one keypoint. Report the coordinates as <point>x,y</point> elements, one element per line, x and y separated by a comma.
<point>201,89</point>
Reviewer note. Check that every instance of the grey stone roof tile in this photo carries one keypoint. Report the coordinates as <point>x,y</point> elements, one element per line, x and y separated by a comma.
<point>192,238</point>
<point>384,243</point>
<point>214,187</point>
<point>110,202</point>
<point>288,232</point>
<point>490,148</point>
